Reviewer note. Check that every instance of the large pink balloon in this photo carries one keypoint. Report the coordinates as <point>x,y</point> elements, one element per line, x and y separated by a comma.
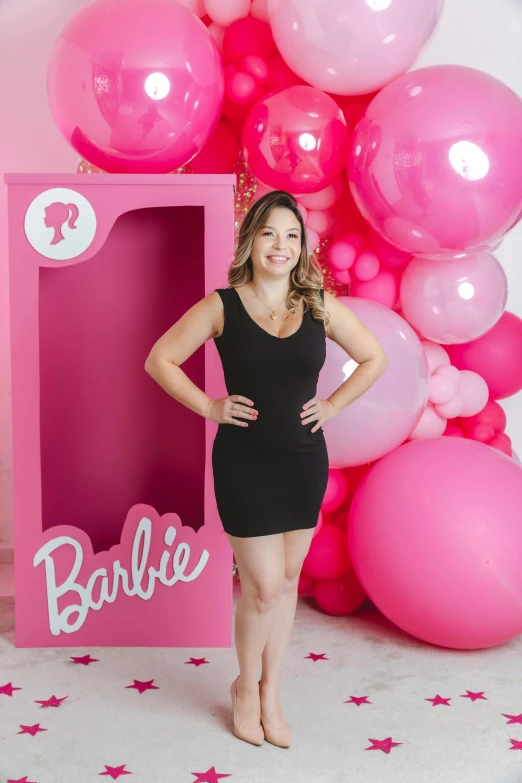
<point>350,47</point>
<point>496,356</point>
<point>454,301</point>
<point>435,165</point>
<point>136,86</point>
<point>385,415</point>
<point>435,539</point>
<point>296,139</point>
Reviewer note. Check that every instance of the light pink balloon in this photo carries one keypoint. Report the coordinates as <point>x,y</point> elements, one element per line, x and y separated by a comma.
<point>341,255</point>
<point>451,409</point>
<point>313,239</point>
<point>435,355</point>
<point>384,416</point>
<point>449,371</point>
<point>434,530</point>
<point>303,211</point>
<point>224,12</point>
<point>430,425</point>
<point>441,389</point>
<point>383,289</point>
<point>466,128</point>
<point>349,47</point>
<point>474,391</point>
<point>342,276</point>
<point>454,301</point>
<point>366,266</point>
<point>320,221</point>
<point>323,198</point>
<point>259,10</point>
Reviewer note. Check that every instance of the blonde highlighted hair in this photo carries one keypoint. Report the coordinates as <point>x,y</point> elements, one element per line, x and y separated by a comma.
<point>306,279</point>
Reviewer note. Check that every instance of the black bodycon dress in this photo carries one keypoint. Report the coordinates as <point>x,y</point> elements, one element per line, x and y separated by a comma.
<point>271,476</point>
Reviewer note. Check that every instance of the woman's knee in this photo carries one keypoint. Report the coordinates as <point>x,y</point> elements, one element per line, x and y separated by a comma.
<point>264,595</point>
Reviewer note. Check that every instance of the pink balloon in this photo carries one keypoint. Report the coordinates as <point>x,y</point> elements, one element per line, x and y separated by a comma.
<point>339,597</point>
<point>502,446</point>
<point>430,425</point>
<point>248,36</point>
<point>217,32</point>
<point>495,356</point>
<point>255,66</point>
<point>449,371</point>
<point>162,85</point>
<point>474,391</point>
<point>324,198</point>
<point>341,255</point>
<point>453,431</point>
<point>335,491</point>
<point>224,12</point>
<point>196,6</point>
<point>320,221</point>
<point>383,417</point>
<point>303,211</point>
<point>466,128</point>
<point>387,254</point>
<point>352,48</point>
<point>320,523</point>
<point>481,432</point>
<point>436,355</point>
<point>295,139</point>
<point>454,301</point>
<point>279,75</point>
<point>259,9</point>
<point>424,557</point>
<point>452,408</point>
<point>219,154</point>
<point>503,436</point>
<point>492,414</point>
<point>328,556</point>
<point>240,87</point>
<point>366,266</point>
<point>383,289</point>
<point>442,389</point>
<point>313,239</point>
<point>355,239</point>
<point>342,276</point>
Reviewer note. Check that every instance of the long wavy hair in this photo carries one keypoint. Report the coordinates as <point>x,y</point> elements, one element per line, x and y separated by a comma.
<point>306,279</point>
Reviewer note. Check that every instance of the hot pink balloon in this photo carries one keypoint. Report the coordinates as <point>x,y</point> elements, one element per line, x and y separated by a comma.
<point>335,491</point>
<point>387,254</point>
<point>491,414</point>
<point>295,139</point>
<point>247,36</point>
<point>349,47</point>
<point>366,266</point>
<point>136,87</point>
<point>454,301</point>
<point>341,254</point>
<point>328,556</point>
<point>384,416</point>
<point>424,557</point>
<point>431,157</point>
<point>495,356</point>
<point>339,597</point>
<point>219,154</point>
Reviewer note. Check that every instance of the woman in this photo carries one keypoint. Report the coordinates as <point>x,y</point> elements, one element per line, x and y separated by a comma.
<point>269,455</point>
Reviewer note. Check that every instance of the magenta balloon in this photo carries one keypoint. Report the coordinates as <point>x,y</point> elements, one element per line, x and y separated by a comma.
<point>136,86</point>
<point>350,47</point>
<point>435,165</point>
<point>495,356</point>
<point>296,139</point>
<point>454,301</point>
<point>434,536</point>
<point>385,415</point>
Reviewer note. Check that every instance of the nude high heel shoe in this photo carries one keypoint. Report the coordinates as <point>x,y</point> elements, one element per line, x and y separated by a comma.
<point>256,735</point>
<point>279,737</point>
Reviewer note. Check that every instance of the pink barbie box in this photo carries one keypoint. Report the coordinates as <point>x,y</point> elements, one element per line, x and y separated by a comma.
<point>117,538</point>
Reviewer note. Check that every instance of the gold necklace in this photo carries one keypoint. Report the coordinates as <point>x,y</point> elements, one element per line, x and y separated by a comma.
<point>273,314</point>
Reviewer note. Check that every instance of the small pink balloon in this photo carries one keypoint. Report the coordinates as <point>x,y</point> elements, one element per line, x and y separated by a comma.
<point>342,276</point>
<point>453,431</point>
<point>442,389</point>
<point>449,371</point>
<point>492,413</point>
<point>503,436</point>
<point>341,255</point>
<point>387,254</point>
<point>354,238</point>
<point>240,87</point>
<point>279,75</point>
<point>255,66</point>
<point>495,356</point>
<point>366,266</point>
<point>313,239</point>
<point>474,391</point>
<point>324,198</point>
<point>339,597</point>
<point>451,409</point>
<point>482,432</point>
<point>327,556</point>
<point>259,9</point>
<point>335,491</point>
<point>247,36</point>
<point>454,301</point>
<point>303,211</point>
<point>224,12</point>
<point>501,445</point>
<point>319,221</point>
<point>383,289</point>
<point>430,425</point>
<point>435,354</point>
<point>295,139</point>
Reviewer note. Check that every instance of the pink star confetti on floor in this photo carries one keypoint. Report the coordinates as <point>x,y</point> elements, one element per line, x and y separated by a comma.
<point>115,772</point>
<point>439,700</point>
<point>8,689</point>
<point>52,702</point>
<point>210,776</point>
<point>85,659</point>
<point>143,686</point>
<point>386,744</point>
<point>317,657</point>
<point>197,661</point>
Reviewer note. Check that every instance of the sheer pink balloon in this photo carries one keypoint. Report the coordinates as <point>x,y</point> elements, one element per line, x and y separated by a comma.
<point>135,87</point>
<point>295,139</point>
<point>431,157</point>
<point>383,417</point>
<point>454,301</point>
<point>349,47</point>
<point>495,356</point>
<point>434,530</point>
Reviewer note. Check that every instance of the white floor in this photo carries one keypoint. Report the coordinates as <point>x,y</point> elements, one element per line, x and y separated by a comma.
<point>181,732</point>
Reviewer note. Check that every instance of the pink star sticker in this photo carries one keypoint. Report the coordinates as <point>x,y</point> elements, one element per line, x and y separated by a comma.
<point>320,657</point>
<point>512,718</point>
<point>197,661</point>
<point>8,689</point>
<point>85,659</point>
<point>358,700</point>
<point>439,700</point>
<point>52,702</point>
<point>143,686</point>
<point>473,695</point>
<point>21,780</point>
<point>517,744</point>
<point>115,772</point>
<point>385,744</point>
<point>31,729</point>
<point>210,776</point>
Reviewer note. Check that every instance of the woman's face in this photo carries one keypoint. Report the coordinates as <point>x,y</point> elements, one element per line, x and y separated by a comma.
<point>277,246</point>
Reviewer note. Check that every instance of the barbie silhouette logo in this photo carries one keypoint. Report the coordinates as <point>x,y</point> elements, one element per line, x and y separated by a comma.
<point>60,224</point>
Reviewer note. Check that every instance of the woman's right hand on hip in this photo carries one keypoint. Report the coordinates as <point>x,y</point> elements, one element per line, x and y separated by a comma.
<point>231,410</point>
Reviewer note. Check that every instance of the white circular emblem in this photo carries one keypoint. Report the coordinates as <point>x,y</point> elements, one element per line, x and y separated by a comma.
<point>60,223</point>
